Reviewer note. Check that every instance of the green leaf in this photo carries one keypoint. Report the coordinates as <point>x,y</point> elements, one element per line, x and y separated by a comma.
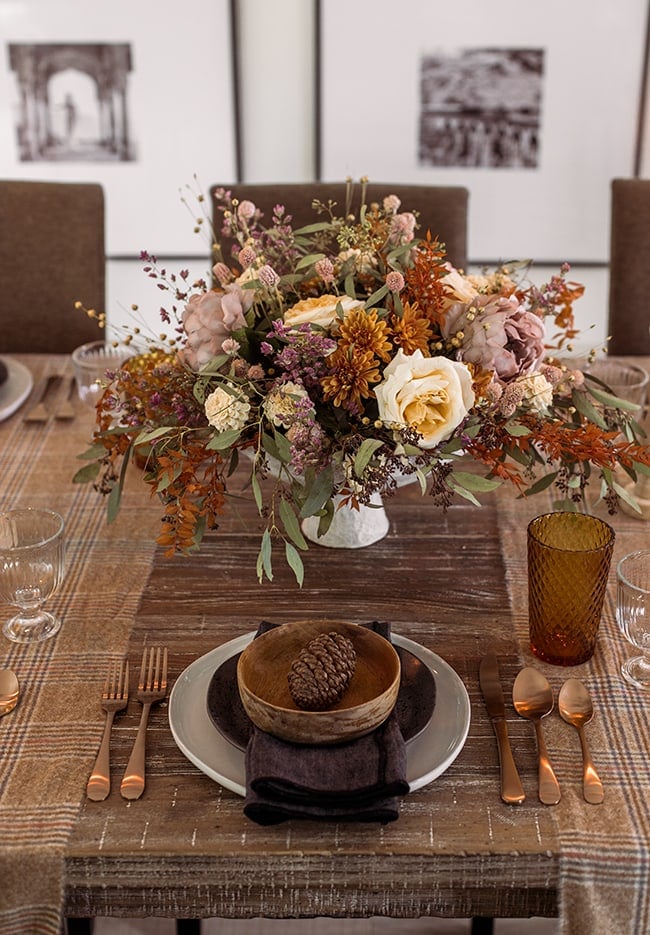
<point>541,484</point>
<point>476,481</point>
<point>295,562</point>
<point>641,468</point>
<point>309,260</point>
<point>223,440</point>
<point>283,446</point>
<point>114,497</point>
<point>582,404</point>
<point>516,430</point>
<point>292,526</point>
<point>86,474</point>
<point>270,446</point>
<point>627,496</point>
<point>422,479</point>
<point>364,454</point>
<point>95,451</point>
<point>461,491</point>
<point>317,492</point>
<point>265,553</point>
<point>376,296</point>
<point>614,402</point>
<point>349,286</point>
<point>313,228</point>
<point>257,492</point>
<point>149,435</point>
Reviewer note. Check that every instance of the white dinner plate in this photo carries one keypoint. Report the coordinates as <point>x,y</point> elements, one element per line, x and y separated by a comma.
<point>427,755</point>
<point>16,388</point>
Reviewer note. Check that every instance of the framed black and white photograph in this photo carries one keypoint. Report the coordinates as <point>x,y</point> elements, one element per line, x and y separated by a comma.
<point>139,100</point>
<point>534,108</point>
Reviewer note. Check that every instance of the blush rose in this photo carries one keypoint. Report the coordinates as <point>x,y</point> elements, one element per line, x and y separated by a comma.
<point>208,320</point>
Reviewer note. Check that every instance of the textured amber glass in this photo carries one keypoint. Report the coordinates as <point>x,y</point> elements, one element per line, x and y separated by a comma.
<point>569,555</point>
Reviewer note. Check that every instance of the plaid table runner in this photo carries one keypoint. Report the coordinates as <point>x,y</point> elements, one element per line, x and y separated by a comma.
<point>56,723</point>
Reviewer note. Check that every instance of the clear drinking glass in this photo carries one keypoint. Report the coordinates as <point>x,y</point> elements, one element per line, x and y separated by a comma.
<point>90,363</point>
<point>633,613</point>
<point>31,569</point>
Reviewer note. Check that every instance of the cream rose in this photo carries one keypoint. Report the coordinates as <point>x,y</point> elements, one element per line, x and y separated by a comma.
<point>225,410</point>
<point>319,311</point>
<point>431,394</point>
<point>280,404</point>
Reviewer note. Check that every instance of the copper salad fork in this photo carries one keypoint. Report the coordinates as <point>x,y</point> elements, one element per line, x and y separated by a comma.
<point>152,687</point>
<point>115,698</point>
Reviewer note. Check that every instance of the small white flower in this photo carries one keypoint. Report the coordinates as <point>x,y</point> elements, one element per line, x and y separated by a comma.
<point>227,411</point>
<point>538,392</point>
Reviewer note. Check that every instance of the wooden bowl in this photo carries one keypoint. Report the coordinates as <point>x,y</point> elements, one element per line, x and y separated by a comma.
<point>371,695</point>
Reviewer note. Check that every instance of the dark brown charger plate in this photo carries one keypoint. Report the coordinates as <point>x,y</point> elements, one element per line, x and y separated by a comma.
<point>415,701</point>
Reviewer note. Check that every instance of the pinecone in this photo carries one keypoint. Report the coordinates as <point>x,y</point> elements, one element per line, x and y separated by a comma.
<point>321,673</point>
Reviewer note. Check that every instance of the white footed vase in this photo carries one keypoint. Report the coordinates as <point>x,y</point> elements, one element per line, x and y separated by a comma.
<point>350,528</point>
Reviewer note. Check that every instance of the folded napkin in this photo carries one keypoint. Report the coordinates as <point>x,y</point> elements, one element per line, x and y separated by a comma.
<point>360,780</point>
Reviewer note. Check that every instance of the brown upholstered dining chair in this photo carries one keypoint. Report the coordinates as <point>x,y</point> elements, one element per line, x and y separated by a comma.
<point>442,209</point>
<point>629,267</point>
<point>51,255</point>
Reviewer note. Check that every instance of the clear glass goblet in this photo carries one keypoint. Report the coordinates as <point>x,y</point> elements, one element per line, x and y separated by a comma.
<point>633,613</point>
<point>31,569</point>
<point>90,363</point>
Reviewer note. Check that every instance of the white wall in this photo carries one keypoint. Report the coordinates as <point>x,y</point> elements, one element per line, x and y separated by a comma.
<point>277,68</point>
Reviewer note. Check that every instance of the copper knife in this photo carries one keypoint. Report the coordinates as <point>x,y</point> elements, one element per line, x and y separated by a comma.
<point>512,791</point>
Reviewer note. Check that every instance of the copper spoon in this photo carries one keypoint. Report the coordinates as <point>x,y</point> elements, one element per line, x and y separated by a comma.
<point>9,691</point>
<point>576,708</point>
<point>533,698</point>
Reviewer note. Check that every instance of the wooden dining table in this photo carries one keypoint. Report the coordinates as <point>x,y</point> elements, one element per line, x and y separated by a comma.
<point>452,582</point>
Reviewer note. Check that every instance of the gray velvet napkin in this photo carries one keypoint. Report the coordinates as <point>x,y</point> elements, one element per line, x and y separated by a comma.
<point>360,780</point>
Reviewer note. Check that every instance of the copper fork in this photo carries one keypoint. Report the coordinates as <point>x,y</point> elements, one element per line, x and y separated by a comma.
<point>152,687</point>
<point>114,698</point>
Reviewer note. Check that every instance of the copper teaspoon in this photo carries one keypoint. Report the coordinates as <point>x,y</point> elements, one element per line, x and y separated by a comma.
<point>533,698</point>
<point>576,709</point>
<point>9,691</point>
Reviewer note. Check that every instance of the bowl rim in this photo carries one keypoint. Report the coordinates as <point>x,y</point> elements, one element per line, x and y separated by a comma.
<point>327,712</point>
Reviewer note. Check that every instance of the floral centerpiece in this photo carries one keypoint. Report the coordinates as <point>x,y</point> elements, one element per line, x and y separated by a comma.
<point>340,357</point>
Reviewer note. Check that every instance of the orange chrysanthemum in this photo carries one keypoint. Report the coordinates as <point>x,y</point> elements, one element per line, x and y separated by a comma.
<point>411,332</point>
<point>352,372</point>
<point>364,331</point>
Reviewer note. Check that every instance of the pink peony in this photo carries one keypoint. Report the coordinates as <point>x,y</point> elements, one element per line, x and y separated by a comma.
<point>208,320</point>
<point>497,334</point>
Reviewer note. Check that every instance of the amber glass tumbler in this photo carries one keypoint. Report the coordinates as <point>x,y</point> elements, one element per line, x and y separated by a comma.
<point>569,555</point>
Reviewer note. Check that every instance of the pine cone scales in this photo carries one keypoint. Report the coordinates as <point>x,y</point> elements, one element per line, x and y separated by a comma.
<point>321,673</point>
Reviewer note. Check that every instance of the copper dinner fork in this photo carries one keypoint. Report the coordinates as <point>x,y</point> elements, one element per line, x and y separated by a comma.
<point>152,687</point>
<point>115,698</point>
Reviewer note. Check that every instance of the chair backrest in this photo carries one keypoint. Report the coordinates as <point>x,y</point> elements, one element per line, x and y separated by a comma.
<point>442,209</point>
<point>51,255</point>
<point>629,267</point>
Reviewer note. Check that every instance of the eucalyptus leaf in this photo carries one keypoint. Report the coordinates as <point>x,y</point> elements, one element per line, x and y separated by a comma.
<point>627,497</point>
<point>149,435</point>
<point>582,404</point>
<point>292,526</point>
<point>294,562</point>
<point>114,497</point>
<point>641,468</point>
<point>364,454</point>
<point>317,492</point>
<point>95,451</point>
<point>476,482</point>
<point>222,440</point>
<point>257,492</point>
<point>265,552</point>
<point>309,260</point>
<point>462,491</point>
<point>614,402</point>
<point>376,296</point>
<point>516,430</point>
<point>542,484</point>
<point>87,473</point>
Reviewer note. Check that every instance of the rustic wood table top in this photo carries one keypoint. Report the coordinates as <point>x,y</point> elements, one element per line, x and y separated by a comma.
<point>453,582</point>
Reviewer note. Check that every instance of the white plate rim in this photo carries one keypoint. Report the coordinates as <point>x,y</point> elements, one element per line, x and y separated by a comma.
<point>428,755</point>
<point>21,378</point>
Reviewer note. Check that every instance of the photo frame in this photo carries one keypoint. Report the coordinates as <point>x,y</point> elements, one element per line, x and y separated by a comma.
<point>81,86</point>
<point>534,94</point>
